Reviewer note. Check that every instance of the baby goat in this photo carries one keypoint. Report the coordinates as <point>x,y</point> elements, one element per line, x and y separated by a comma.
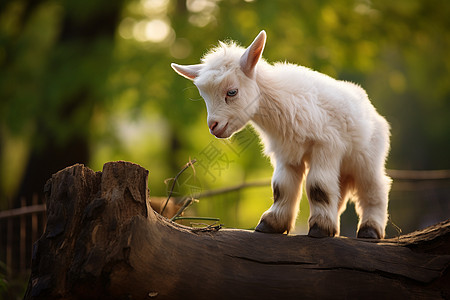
<point>311,125</point>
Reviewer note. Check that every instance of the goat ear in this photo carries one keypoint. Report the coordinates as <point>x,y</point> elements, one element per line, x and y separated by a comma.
<point>190,72</point>
<point>222,44</point>
<point>252,54</point>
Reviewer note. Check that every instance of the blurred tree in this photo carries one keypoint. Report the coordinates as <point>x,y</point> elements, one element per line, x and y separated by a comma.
<point>57,61</point>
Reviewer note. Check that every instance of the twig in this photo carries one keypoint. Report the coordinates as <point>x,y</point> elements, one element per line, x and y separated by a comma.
<point>187,165</point>
<point>212,227</point>
<point>199,218</point>
<point>186,204</point>
<point>211,193</point>
<point>399,230</point>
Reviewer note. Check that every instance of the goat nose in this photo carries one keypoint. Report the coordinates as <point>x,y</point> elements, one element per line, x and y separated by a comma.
<point>213,125</point>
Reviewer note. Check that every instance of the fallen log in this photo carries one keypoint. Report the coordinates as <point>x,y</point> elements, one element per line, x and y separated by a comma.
<point>103,241</point>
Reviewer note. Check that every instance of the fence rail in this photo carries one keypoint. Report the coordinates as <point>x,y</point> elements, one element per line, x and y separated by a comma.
<point>23,211</point>
<point>419,175</point>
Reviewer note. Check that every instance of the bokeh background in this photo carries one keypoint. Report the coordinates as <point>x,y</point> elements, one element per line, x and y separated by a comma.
<point>90,82</point>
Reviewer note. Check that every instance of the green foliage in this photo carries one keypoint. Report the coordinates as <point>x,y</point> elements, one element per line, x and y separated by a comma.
<point>138,109</point>
<point>11,287</point>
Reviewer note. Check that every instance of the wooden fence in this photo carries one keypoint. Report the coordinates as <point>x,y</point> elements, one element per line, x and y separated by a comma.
<point>21,227</point>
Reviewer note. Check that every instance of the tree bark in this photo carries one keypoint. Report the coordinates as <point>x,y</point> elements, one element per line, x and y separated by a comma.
<point>103,241</point>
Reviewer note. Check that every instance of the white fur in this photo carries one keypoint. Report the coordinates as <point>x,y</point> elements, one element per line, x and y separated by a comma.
<point>310,124</point>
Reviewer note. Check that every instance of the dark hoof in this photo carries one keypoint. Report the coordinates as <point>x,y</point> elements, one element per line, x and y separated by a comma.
<point>368,232</point>
<point>266,228</point>
<point>316,232</point>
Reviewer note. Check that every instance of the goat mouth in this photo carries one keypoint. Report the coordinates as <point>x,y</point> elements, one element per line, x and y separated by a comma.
<point>219,134</point>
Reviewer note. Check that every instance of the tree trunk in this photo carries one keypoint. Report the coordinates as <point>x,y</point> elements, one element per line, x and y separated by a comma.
<point>83,29</point>
<point>103,241</point>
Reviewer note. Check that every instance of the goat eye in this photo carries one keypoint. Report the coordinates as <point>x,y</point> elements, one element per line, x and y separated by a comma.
<point>232,93</point>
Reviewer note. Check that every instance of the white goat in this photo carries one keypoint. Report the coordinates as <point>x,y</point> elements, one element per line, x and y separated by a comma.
<point>311,125</point>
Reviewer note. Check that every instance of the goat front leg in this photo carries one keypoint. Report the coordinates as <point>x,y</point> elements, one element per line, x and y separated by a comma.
<point>287,186</point>
<point>322,185</point>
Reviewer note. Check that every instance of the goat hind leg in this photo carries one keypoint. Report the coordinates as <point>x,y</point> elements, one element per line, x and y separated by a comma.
<point>372,206</point>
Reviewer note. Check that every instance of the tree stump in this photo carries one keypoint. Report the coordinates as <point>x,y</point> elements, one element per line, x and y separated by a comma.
<point>103,241</point>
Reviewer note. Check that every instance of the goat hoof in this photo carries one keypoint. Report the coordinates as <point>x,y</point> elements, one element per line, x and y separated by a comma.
<point>316,232</point>
<point>265,227</point>
<point>367,232</point>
